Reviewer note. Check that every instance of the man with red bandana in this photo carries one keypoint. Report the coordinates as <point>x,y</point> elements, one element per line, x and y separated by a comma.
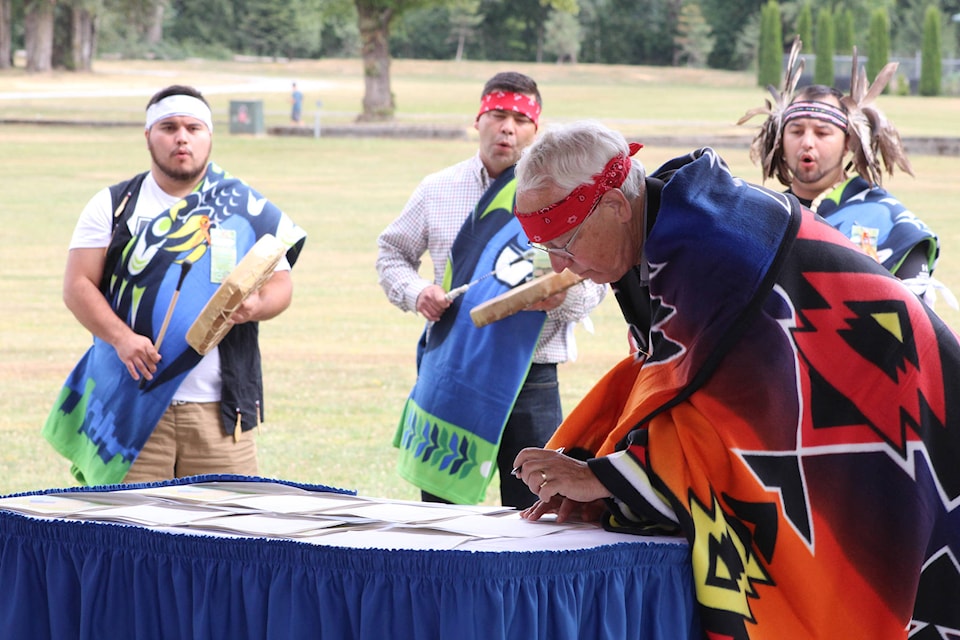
<point>812,143</point>
<point>791,410</point>
<point>431,222</point>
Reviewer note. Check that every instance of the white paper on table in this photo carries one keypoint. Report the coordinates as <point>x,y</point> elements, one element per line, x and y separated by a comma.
<point>388,539</point>
<point>588,537</point>
<point>191,493</point>
<point>48,505</point>
<point>256,524</point>
<point>267,487</point>
<point>454,509</point>
<point>150,514</point>
<point>511,526</point>
<point>298,503</point>
<point>405,512</point>
<point>488,510</point>
<point>218,491</point>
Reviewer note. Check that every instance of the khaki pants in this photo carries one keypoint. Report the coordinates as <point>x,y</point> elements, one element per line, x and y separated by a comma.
<point>189,440</point>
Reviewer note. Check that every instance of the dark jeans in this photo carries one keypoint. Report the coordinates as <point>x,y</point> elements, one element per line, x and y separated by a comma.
<point>536,415</point>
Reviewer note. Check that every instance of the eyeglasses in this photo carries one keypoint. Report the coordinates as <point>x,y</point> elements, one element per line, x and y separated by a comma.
<point>564,251</point>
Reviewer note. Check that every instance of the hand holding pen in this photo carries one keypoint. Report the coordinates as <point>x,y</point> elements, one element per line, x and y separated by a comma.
<point>550,473</point>
<point>517,469</point>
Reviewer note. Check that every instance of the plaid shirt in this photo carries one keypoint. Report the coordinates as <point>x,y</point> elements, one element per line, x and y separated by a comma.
<point>430,222</point>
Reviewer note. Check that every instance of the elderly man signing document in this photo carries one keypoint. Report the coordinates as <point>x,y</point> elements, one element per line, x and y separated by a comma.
<point>787,408</point>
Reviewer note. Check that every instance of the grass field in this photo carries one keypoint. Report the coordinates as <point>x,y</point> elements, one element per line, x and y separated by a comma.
<point>339,363</point>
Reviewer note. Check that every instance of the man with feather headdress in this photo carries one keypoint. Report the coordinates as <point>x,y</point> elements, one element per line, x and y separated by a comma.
<point>806,142</point>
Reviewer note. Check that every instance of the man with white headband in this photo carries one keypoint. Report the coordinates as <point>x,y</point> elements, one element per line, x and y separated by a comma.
<point>146,256</point>
<point>792,411</point>
<point>811,140</point>
<point>489,405</point>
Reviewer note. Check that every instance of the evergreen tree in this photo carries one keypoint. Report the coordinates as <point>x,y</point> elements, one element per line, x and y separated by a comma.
<point>726,19</point>
<point>748,42</point>
<point>614,31</point>
<point>423,34</point>
<point>823,71</point>
<point>770,52</point>
<point>844,32</point>
<point>213,21</point>
<point>878,43</point>
<point>265,25</point>
<point>464,19</point>
<point>693,41</point>
<point>562,36</point>
<point>805,26</point>
<point>930,70</point>
<point>907,19</point>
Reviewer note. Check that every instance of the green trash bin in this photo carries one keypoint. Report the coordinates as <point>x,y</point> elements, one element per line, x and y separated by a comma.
<point>246,116</point>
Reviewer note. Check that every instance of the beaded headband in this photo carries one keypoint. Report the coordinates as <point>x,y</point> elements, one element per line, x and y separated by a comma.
<point>816,110</point>
<point>872,138</point>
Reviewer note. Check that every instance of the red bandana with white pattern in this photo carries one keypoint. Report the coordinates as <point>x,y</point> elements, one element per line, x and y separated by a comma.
<point>510,101</point>
<point>560,217</point>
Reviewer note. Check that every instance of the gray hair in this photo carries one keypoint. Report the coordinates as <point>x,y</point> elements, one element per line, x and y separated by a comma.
<point>569,155</point>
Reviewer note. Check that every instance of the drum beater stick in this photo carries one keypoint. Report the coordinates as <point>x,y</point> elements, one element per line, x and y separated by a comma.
<point>184,270</point>
<point>455,293</point>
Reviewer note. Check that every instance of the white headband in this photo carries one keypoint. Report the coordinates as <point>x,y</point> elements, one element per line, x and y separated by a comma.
<point>179,105</point>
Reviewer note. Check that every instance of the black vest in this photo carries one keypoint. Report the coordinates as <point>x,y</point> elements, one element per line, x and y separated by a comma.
<point>241,393</point>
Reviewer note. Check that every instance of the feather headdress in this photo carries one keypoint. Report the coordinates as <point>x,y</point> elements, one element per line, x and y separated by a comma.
<point>767,149</point>
<point>872,136</point>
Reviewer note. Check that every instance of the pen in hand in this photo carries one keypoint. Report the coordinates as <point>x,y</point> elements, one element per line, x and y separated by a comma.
<point>516,470</point>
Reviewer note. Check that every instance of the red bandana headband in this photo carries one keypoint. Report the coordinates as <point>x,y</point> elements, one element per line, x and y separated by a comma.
<point>558,218</point>
<point>510,101</point>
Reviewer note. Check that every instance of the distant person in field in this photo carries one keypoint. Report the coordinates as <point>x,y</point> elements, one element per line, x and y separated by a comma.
<point>811,140</point>
<point>146,256</point>
<point>296,105</point>
<point>481,395</point>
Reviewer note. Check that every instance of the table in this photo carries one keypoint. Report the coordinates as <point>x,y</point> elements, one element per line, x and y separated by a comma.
<point>81,576</point>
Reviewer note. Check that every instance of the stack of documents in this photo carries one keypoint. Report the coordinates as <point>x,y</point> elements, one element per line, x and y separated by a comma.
<point>274,510</point>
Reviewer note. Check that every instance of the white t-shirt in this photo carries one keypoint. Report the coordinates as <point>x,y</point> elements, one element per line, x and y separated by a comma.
<point>94,230</point>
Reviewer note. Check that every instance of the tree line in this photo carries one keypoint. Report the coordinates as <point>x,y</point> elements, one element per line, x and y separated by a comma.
<point>70,34</point>
<point>835,33</point>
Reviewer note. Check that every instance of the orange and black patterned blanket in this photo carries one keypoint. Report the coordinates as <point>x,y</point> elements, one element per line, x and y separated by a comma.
<point>797,419</point>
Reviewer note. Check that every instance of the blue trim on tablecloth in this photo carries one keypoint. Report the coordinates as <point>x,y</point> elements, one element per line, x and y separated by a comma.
<point>209,477</point>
